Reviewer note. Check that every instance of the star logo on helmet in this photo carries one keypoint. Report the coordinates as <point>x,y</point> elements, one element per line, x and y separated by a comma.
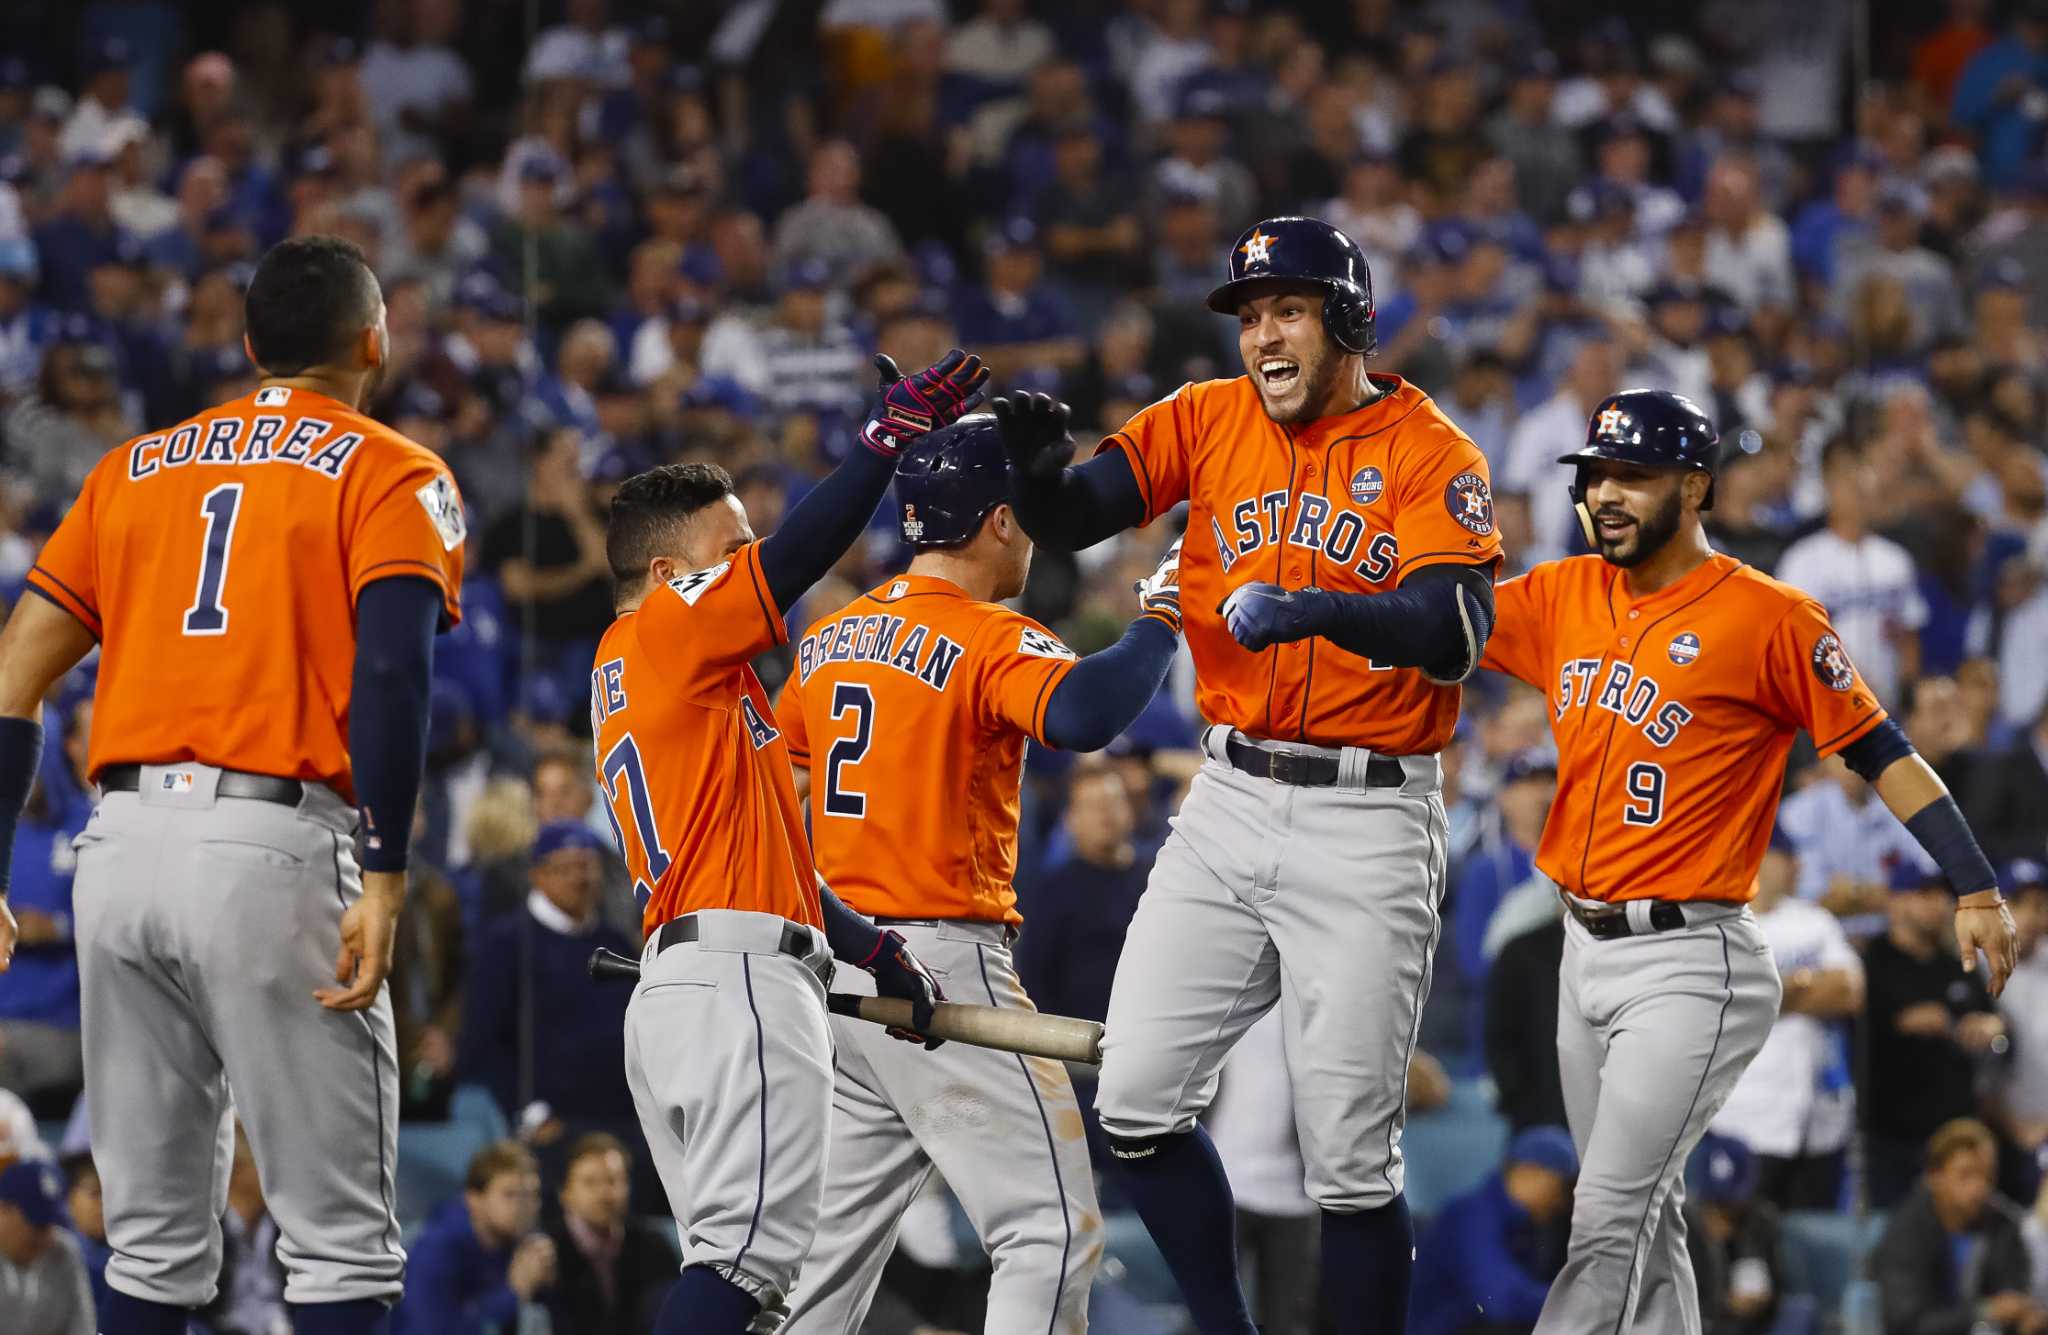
<point>1257,248</point>
<point>1611,420</point>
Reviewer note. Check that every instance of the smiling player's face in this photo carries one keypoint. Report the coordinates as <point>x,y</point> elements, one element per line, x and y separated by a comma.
<point>1635,510</point>
<point>1290,359</point>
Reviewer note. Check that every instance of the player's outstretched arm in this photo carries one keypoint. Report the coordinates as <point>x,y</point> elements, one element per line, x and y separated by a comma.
<point>833,514</point>
<point>41,643</point>
<point>1106,691</point>
<point>1916,795</point>
<point>1063,508</point>
<point>396,620</point>
<point>1438,620</point>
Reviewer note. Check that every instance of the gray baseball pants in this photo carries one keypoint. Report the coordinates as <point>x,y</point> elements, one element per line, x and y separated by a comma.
<point>204,924</point>
<point>1652,1033</point>
<point>1003,1130</point>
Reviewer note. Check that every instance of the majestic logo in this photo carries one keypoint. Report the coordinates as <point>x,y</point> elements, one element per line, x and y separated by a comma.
<point>1367,484</point>
<point>1257,248</point>
<point>1831,664</point>
<point>1611,420</point>
<point>1684,648</point>
<point>1470,503</point>
<point>913,527</point>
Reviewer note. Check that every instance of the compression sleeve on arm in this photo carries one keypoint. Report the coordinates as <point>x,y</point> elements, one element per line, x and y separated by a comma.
<point>1105,691</point>
<point>852,935</point>
<point>21,755</point>
<point>1438,621</point>
<point>388,709</point>
<point>1942,831</point>
<point>1079,506</point>
<point>818,529</point>
<point>1873,753</point>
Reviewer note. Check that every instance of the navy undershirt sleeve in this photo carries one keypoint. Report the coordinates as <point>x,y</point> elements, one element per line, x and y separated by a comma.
<point>818,529</point>
<point>1873,753</point>
<point>1417,625</point>
<point>852,935</point>
<point>388,709</point>
<point>21,755</point>
<point>1079,506</point>
<point>1106,691</point>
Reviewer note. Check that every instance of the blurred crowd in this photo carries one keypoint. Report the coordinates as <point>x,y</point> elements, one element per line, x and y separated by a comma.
<point>641,233</point>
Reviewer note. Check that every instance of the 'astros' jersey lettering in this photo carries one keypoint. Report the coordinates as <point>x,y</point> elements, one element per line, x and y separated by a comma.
<point>1673,714</point>
<point>692,770</point>
<point>219,563</point>
<point>1353,503</point>
<point>911,706</point>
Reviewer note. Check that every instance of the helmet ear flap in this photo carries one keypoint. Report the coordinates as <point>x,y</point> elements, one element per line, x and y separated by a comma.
<point>1348,321</point>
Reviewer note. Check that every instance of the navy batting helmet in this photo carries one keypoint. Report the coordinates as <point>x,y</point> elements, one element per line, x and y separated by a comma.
<point>1649,428</point>
<point>1284,252</point>
<point>947,483</point>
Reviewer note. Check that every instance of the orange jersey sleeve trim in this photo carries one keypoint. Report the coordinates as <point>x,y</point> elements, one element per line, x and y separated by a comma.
<point>63,595</point>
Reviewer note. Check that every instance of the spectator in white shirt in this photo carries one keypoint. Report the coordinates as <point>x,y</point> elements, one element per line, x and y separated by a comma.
<point>1795,1106</point>
<point>106,69</point>
<point>1531,470</point>
<point>585,46</point>
<point>1848,843</point>
<point>1866,582</point>
<point>1175,48</point>
<point>414,81</point>
<point>1749,249</point>
<point>1002,44</point>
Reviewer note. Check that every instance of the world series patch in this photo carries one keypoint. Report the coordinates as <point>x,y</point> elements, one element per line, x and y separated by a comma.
<point>1470,503</point>
<point>1831,664</point>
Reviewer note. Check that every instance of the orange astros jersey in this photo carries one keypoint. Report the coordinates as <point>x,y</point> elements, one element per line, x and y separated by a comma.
<point>694,775</point>
<point>1673,714</point>
<point>218,563</point>
<point>1352,503</point>
<point>910,706</point>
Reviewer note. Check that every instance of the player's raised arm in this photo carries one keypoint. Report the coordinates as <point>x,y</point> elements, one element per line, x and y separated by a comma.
<point>1064,508</point>
<point>817,532</point>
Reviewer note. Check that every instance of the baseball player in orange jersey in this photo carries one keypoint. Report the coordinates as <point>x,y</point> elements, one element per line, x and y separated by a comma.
<point>1337,580</point>
<point>1677,678</point>
<point>909,712</point>
<point>727,1051</point>
<point>264,581</point>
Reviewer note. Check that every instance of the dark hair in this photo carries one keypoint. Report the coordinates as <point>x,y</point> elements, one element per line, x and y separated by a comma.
<point>1962,1135</point>
<point>1842,447</point>
<point>309,299</point>
<point>494,1161</point>
<point>589,1146</point>
<point>648,507</point>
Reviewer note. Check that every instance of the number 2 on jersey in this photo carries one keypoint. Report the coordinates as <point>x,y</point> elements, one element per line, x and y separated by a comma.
<point>849,697</point>
<point>207,616</point>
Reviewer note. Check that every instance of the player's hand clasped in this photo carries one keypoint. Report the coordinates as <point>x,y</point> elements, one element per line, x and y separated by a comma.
<point>1035,433</point>
<point>1159,593</point>
<point>913,405</point>
<point>1263,615</point>
<point>897,973</point>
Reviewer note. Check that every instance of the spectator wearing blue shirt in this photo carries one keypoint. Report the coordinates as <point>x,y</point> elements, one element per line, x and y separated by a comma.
<point>82,1201</point>
<point>83,235</point>
<point>26,327</point>
<point>2002,96</point>
<point>1485,1266</point>
<point>1504,859</point>
<point>479,1260</point>
<point>1015,319</point>
<point>40,1058</point>
<point>1823,226</point>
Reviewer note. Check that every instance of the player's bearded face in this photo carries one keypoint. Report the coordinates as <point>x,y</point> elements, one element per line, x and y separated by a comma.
<point>1635,517</point>
<point>1288,356</point>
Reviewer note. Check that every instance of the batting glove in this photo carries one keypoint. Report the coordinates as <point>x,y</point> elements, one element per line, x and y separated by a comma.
<point>1159,594</point>
<point>1035,434</point>
<point>1262,615</point>
<point>898,974</point>
<point>910,406</point>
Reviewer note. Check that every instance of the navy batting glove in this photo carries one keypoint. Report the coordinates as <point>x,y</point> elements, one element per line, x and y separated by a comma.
<point>898,974</point>
<point>1263,615</point>
<point>910,406</point>
<point>1035,433</point>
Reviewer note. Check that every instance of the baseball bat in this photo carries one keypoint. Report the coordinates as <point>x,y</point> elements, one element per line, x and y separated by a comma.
<point>1028,1032</point>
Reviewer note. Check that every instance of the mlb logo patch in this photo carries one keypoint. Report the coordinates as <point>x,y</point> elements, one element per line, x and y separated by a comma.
<point>272,396</point>
<point>1367,484</point>
<point>899,588</point>
<point>177,781</point>
<point>1684,648</point>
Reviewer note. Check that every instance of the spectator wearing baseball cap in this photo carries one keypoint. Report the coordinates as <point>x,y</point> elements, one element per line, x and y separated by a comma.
<point>545,1060</point>
<point>1930,1025</point>
<point>1014,318</point>
<point>1493,1251</point>
<point>1500,865</point>
<point>82,235</point>
<point>1739,1256</point>
<point>106,66</point>
<point>44,1286</point>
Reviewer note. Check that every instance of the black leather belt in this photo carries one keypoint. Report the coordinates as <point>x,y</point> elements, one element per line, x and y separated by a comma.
<point>1612,923</point>
<point>233,783</point>
<point>676,931</point>
<point>1303,770</point>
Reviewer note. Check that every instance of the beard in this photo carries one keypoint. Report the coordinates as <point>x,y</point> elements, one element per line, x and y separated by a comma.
<point>1648,537</point>
<point>1303,400</point>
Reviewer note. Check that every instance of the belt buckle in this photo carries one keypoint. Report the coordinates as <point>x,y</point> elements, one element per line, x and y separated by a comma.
<point>1281,766</point>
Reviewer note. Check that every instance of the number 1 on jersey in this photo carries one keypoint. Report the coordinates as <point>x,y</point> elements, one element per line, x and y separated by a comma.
<point>207,616</point>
